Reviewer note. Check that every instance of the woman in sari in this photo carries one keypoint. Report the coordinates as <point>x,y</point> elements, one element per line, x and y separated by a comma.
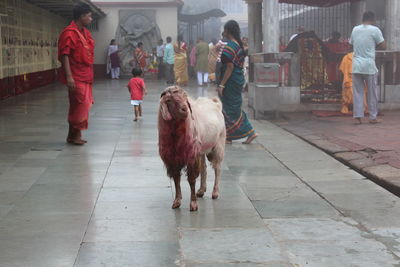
<point>113,65</point>
<point>141,57</point>
<point>180,66</point>
<point>230,88</point>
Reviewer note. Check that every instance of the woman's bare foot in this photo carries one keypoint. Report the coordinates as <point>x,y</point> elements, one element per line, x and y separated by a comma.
<point>250,139</point>
<point>76,142</point>
<point>228,142</point>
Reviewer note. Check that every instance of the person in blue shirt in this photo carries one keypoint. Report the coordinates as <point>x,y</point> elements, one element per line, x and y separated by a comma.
<point>169,61</point>
<point>365,38</point>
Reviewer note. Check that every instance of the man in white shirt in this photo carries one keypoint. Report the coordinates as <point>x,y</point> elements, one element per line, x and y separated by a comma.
<point>365,39</point>
<point>169,61</point>
<point>160,59</point>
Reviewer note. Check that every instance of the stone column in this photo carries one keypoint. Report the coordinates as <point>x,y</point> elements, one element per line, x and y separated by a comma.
<point>255,26</point>
<point>392,25</point>
<point>271,26</point>
<point>357,10</point>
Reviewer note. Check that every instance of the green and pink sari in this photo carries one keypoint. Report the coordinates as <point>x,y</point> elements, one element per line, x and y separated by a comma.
<point>237,124</point>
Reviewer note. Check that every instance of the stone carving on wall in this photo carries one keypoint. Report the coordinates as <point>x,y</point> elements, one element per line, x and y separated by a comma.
<point>136,26</point>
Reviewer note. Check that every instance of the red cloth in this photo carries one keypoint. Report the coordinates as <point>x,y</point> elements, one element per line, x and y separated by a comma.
<point>136,87</point>
<point>332,67</point>
<point>80,101</point>
<point>141,57</point>
<point>79,46</point>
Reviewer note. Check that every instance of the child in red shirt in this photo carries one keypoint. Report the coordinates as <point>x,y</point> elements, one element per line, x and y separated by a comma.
<point>137,89</point>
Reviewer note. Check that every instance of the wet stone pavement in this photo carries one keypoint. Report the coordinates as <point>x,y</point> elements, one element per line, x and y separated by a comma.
<point>283,202</point>
<point>373,150</point>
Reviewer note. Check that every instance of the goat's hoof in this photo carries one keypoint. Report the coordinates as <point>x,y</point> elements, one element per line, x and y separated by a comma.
<point>176,204</point>
<point>215,195</point>
<point>193,206</point>
<point>200,193</point>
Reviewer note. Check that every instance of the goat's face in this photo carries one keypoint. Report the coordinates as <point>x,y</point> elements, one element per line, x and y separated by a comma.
<point>174,104</point>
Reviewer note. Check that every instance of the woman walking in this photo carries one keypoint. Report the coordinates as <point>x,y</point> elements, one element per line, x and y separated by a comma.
<point>181,66</point>
<point>113,65</point>
<point>230,88</point>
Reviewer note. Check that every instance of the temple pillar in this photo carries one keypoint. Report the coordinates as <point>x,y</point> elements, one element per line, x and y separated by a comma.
<point>392,25</point>
<point>271,26</point>
<point>255,26</point>
<point>357,10</point>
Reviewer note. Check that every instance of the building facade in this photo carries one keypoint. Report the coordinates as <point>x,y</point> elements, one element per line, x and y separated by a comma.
<point>130,22</point>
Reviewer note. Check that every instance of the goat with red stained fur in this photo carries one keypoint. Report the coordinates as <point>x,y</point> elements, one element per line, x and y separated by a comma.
<point>189,131</point>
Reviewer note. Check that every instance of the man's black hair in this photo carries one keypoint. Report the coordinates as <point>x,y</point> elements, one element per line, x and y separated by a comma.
<point>80,9</point>
<point>169,39</point>
<point>136,72</point>
<point>139,44</point>
<point>369,16</point>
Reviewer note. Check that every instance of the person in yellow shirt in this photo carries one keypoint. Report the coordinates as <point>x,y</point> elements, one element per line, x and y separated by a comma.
<point>346,67</point>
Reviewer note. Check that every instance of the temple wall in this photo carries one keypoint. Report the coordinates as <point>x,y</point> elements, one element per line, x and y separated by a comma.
<point>28,47</point>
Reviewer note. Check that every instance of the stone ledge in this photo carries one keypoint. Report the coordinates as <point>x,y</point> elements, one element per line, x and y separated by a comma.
<point>382,174</point>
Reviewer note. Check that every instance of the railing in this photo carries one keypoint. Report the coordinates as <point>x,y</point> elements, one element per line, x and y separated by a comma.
<point>321,20</point>
<point>388,63</point>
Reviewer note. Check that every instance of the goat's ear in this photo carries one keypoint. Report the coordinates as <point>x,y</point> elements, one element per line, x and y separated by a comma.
<point>164,110</point>
<point>190,108</point>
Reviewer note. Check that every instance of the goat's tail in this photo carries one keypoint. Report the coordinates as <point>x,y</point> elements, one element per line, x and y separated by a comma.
<point>217,101</point>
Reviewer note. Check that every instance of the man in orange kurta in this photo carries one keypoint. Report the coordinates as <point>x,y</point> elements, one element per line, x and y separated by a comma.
<point>76,54</point>
<point>346,67</point>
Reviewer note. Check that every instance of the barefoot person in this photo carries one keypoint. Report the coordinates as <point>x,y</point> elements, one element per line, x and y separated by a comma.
<point>231,85</point>
<point>365,38</point>
<point>76,54</point>
<point>137,89</point>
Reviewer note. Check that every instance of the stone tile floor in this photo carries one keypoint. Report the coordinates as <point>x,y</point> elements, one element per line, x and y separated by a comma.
<point>373,150</point>
<point>283,202</point>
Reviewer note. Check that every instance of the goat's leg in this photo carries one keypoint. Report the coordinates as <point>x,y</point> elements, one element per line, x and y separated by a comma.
<point>203,174</point>
<point>216,158</point>
<point>193,172</point>
<point>217,170</point>
<point>193,198</point>
<point>178,193</point>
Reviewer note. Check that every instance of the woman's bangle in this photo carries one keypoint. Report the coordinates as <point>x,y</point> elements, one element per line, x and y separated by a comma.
<point>221,86</point>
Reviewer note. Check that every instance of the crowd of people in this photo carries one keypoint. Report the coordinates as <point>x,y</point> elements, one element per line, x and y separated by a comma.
<point>176,62</point>
<point>220,62</point>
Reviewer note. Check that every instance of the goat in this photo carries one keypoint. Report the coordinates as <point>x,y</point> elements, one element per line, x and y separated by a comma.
<point>189,131</point>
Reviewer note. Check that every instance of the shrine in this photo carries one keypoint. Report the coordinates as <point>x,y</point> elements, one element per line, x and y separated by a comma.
<point>306,67</point>
<point>130,22</point>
